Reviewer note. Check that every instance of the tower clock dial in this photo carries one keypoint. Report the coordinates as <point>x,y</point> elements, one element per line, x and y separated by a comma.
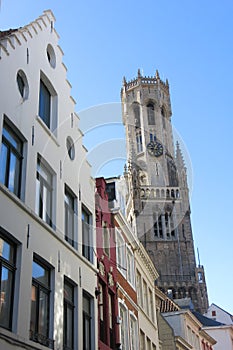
<point>155,148</point>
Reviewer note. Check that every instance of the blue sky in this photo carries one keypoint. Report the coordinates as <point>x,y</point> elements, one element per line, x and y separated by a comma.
<point>191,44</point>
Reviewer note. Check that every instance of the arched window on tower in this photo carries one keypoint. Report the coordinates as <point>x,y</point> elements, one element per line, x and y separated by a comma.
<point>172,173</point>
<point>150,114</point>
<point>136,111</point>
<point>163,117</point>
<point>158,227</point>
<point>139,141</point>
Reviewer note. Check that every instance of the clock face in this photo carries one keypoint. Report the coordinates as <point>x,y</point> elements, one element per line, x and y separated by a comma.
<point>155,148</point>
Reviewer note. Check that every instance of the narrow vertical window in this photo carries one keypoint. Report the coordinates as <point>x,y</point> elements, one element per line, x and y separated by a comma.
<point>136,111</point>
<point>68,321</point>
<point>139,141</point>
<point>70,214</point>
<point>11,160</point>
<point>86,235</point>
<point>44,104</point>
<point>7,274</point>
<point>102,312</point>
<point>44,192</point>
<point>88,337</point>
<point>150,114</point>
<point>130,267</point>
<point>120,253</point>
<point>139,288</point>
<point>133,332</point>
<point>40,304</point>
<point>106,239</point>
<point>124,328</point>
<point>110,315</point>
<point>158,227</point>
<point>142,340</point>
<point>145,297</point>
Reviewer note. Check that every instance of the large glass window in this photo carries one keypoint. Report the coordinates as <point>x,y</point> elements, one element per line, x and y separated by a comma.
<point>7,274</point>
<point>88,336</point>
<point>11,160</point>
<point>70,216</point>
<point>68,321</point>
<point>86,235</point>
<point>40,302</point>
<point>44,104</point>
<point>44,192</point>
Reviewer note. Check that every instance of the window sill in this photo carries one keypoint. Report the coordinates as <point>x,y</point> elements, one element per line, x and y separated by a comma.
<point>48,131</point>
<point>18,341</point>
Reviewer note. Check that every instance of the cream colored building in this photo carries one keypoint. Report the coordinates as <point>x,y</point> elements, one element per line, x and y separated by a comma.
<point>136,276</point>
<point>47,260</point>
<point>188,331</point>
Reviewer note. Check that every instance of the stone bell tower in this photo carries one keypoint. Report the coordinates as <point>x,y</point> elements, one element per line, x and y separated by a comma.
<point>158,185</point>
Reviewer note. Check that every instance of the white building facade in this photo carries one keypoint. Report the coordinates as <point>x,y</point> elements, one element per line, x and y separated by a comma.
<point>47,260</point>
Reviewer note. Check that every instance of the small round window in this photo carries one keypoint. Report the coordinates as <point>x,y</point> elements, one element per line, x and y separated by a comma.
<point>51,56</point>
<point>22,84</point>
<point>70,148</point>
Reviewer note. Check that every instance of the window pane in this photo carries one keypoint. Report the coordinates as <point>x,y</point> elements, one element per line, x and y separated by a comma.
<point>86,235</point>
<point>69,217</point>
<point>10,160</point>
<point>68,292</point>
<point>3,162</point>
<point>40,273</point>
<point>12,138</point>
<point>86,322</point>
<point>44,104</point>
<point>14,174</point>
<point>6,251</point>
<point>34,297</point>
<point>68,323</point>
<point>43,314</point>
<point>44,193</point>
<point>6,297</point>
<point>68,315</point>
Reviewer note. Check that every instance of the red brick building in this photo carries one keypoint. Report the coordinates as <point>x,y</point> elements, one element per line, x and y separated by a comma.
<point>108,328</point>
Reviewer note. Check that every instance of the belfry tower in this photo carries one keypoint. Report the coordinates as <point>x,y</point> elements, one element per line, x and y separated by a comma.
<point>158,185</point>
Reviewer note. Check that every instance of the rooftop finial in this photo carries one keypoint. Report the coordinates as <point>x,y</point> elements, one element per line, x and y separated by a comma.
<point>157,74</point>
<point>124,81</point>
<point>139,73</point>
<point>167,84</point>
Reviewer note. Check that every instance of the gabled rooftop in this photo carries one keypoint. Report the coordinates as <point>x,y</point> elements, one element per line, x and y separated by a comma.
<point>206,321</point>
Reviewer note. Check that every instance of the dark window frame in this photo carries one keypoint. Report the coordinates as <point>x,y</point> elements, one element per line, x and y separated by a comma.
<point>69,304</point>
<point>88,336</point>
<point>10,266</point>
<point>87,249</point>
<point>40,186</point>
<point>70,202</point>
<point>12,151</point>
<point>45,104</point>
<point>46,289</point>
